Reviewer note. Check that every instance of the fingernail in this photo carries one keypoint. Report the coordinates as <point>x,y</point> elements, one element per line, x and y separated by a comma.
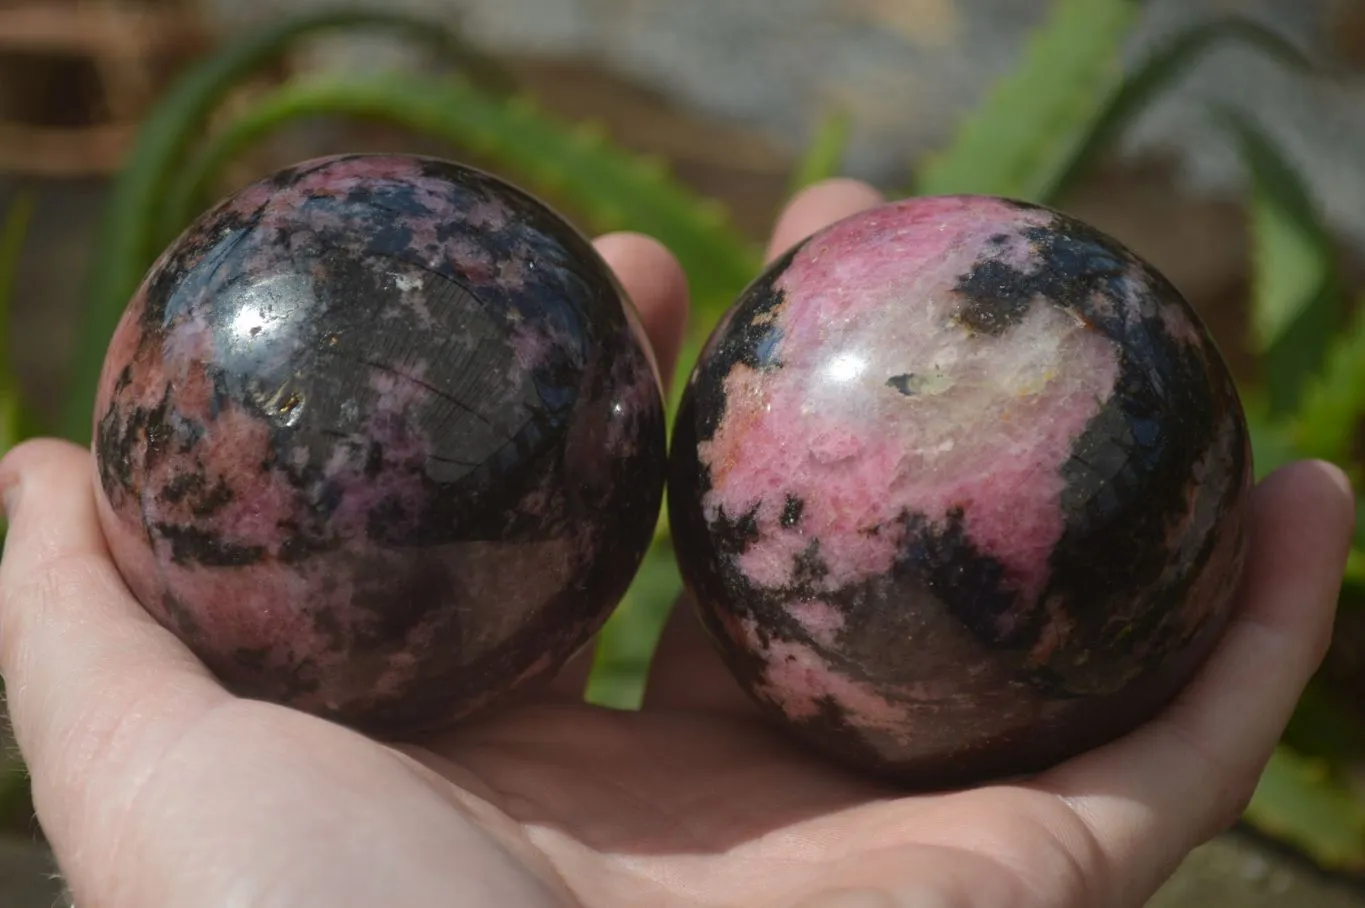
<point>1338,476</point>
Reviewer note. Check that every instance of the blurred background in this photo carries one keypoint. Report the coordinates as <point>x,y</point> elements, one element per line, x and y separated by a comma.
<point>1237,167</point>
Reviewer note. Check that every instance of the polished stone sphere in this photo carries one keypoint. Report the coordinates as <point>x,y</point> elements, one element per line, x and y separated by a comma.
<point>380,438</point>
<point>959,488</point>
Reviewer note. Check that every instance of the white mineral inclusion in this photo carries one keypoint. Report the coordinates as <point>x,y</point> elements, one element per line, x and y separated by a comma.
<point>407,282</point>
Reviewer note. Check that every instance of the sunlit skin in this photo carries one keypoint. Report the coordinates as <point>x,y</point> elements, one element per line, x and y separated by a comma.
<point>157,787</point>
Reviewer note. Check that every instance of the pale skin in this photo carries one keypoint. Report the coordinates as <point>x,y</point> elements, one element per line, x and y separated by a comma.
<point>157,787</point>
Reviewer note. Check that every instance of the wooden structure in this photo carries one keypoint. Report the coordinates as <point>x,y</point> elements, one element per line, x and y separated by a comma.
<point>77,76</point>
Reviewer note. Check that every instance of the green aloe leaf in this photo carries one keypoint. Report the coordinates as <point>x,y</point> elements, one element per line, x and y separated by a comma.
<point>14,423</point>
<point>1299,801</point>
<point>1296,297</point>
<point>1155,75</point>
<point>1334,399</point>
<point>614,189</point>
<point>626,645</point>
<point>129,237</point>
<point>1018,141</point>
<point>824,156</point>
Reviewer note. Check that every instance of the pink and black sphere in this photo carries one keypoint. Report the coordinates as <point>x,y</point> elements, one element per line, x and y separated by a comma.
<point>379,437</point>
<point>958,486</point>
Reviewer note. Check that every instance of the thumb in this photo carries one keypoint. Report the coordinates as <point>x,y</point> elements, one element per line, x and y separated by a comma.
<point>93,683</point>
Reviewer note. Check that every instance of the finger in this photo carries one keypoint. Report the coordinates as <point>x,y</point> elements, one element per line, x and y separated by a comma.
<point>655,282</point>
<point>1152,796</point>
<point>93,682</point>
<point>817,207</point>
<point>686,673</point>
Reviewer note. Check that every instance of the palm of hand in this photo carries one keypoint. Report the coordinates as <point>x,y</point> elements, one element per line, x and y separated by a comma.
<point>557,802</point>
<point>712,808</point>
<point>157,787</point>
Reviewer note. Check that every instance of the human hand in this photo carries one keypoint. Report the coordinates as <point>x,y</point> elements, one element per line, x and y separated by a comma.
<point>157,787</point>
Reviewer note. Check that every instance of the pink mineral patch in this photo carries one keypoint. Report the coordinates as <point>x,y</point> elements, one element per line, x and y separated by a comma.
<point>985,432</point>
<point>818,619</point>
<point>797,679</point>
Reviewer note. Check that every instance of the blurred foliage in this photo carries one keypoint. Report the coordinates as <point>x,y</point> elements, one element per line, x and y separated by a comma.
<point>1034,134</point>
<point>1159,72</point>
<point>627,642</point>
<point>1296,299</point>
<point>1027,127</point>
<point>13,230</point>
<point>1302,802</point>
<point>825,154</point>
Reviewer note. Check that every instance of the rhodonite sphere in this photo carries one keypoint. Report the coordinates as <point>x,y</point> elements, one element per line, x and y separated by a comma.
<point>380,438</point>
<point>959,486</point>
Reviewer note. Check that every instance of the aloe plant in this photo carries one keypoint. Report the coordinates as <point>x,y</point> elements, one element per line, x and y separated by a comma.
<point>1050,119</point>
<point>1025,130</point>
<point>1151,79</point>
<point>1296,296</point>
